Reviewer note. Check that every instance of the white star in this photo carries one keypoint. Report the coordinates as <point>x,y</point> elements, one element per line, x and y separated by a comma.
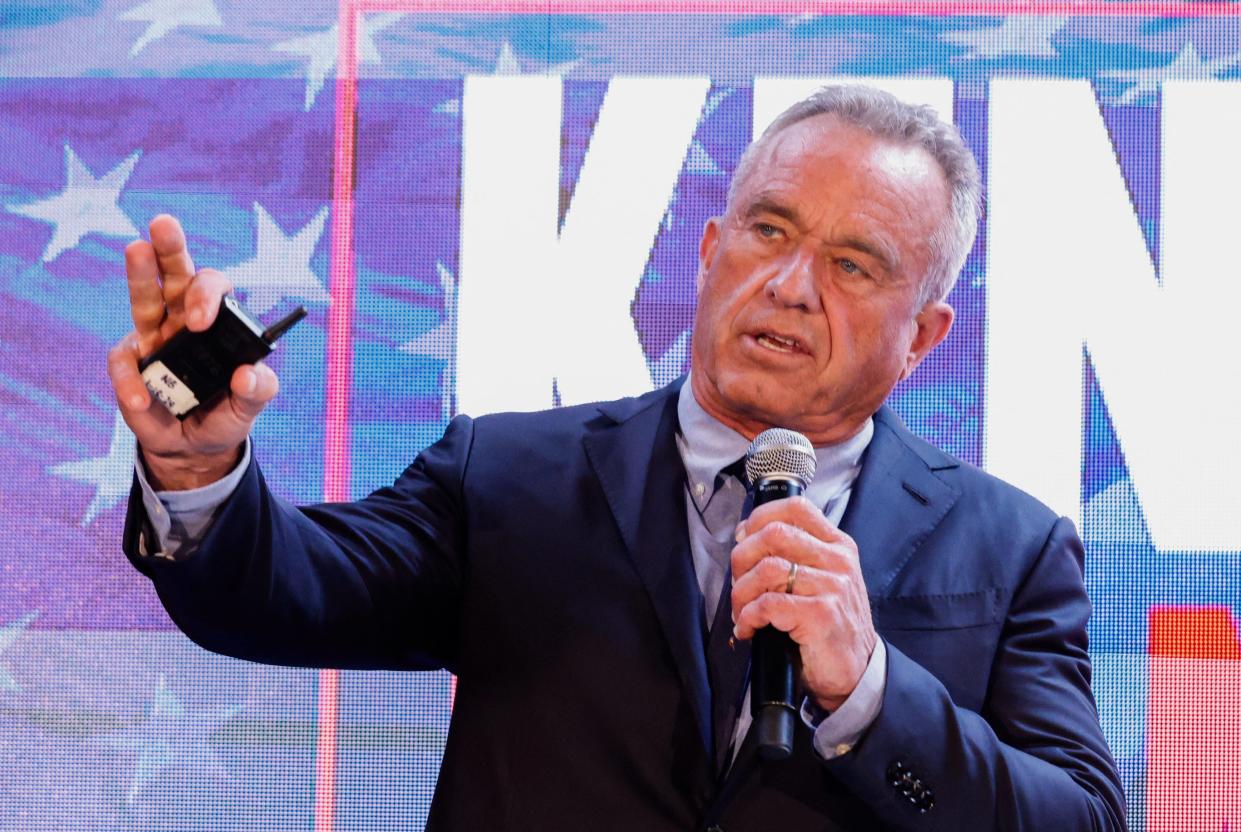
<point>323,50</point>
<point>166,15</point>
<point>280,266</point>
<point>440,342</point>
<point>1109,517</point>
<point>8,635</point>
<point>699,161</point>
<point>1187,65</point>
<point>1022,35</point>
<point>713,101</point>
<point>111,474</point>
<point>672,363</point>
<point>448,107</point>
<point>507,63</point>
<point>87,205</point>
<point>167,736</point>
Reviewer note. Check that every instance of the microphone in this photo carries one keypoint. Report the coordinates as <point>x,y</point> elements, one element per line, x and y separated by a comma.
<point>779,464</point>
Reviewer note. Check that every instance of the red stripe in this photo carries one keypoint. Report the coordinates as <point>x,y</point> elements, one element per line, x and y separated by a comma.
<point>1193,632</point>
<point>929,8</point>
<point>336,463</point>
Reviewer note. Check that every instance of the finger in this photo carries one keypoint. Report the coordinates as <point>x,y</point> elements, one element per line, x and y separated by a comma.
<point>202,298</point>
<point>782,540</point>
<point>146,300</point>
<point>131,391</point>
<point>252,387</point>
<point>772,575</point>
<point>799,616</point>
<point>796,511</point>
<point>175,265</point>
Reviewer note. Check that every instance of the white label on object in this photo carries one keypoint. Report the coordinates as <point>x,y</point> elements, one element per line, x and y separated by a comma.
<point>169,390</point>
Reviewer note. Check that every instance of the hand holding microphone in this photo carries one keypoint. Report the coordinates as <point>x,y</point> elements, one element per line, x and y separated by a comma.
<point>797,591</point>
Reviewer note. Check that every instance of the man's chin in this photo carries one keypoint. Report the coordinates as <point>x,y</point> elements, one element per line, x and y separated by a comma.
<point>762,406</point>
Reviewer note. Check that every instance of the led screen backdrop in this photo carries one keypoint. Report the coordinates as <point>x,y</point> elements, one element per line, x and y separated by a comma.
<point>494,206</point>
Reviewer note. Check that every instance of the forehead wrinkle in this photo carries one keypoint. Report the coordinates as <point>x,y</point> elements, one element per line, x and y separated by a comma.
<point>883,186</point>
<point>768,202</point>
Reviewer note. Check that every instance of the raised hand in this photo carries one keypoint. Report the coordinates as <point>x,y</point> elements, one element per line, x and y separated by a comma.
<point>166,294</point>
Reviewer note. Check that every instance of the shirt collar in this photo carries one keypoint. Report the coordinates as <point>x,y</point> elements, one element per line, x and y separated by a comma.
<point>708,446</point>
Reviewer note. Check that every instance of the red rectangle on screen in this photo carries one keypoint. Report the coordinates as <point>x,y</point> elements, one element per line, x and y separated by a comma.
<point>1193,731</point>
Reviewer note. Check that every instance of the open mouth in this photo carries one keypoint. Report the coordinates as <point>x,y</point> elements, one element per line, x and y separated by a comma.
<point>778,343</point>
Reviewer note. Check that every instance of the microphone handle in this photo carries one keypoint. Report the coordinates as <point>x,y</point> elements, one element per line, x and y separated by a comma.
<point>772,658</point>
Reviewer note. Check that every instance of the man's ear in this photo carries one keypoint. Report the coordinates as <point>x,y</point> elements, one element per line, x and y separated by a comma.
<point>706,249</point>
<point>934,322</point>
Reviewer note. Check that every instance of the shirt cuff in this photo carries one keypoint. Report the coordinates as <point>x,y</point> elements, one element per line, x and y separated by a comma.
<point>836,733</point>
<point>178,520</point>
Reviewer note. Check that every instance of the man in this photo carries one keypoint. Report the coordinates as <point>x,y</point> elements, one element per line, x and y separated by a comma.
<point>576,568</point>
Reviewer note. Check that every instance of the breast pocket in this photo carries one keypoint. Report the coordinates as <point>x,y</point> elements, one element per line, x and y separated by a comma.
<point>954,636</point>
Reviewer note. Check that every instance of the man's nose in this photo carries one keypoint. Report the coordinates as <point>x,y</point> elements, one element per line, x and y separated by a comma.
<point>795,284</point>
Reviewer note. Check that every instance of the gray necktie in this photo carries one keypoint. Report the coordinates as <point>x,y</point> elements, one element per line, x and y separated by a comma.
<point>728,660</point>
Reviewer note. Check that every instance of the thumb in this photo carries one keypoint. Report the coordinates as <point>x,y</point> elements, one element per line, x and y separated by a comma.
<point>252,387</point>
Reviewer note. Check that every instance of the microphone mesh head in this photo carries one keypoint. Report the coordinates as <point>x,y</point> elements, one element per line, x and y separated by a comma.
<point>780,452</point>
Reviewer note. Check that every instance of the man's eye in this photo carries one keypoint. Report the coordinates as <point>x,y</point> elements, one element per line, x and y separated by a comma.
<point>767,230</point>
<point>849,266</point>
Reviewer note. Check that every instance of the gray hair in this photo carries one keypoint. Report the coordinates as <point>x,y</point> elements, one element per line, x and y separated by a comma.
<point>885,116</point>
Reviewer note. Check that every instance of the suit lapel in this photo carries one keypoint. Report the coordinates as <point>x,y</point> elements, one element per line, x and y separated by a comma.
<point>896,501</point>
<point>637,463</point>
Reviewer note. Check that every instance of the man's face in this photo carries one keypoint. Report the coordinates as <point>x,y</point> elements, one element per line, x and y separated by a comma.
<point>808,287</point>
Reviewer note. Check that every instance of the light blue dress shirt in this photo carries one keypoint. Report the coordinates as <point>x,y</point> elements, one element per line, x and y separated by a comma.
<point>180,519</point>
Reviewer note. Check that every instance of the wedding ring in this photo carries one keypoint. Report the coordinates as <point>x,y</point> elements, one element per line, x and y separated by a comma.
<point>788,585</point>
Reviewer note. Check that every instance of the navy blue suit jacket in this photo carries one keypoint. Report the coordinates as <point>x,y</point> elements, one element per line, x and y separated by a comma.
<point>544,559</point>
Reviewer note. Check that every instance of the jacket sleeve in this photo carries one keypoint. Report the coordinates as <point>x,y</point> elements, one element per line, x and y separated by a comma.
<point>370,584</point>
<point>1034,759</point>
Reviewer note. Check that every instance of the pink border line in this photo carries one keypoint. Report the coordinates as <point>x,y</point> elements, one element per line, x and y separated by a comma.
<point>325,750</point>
<point>336,461</point>
<point>340,316</point>
<point>928,8</point>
